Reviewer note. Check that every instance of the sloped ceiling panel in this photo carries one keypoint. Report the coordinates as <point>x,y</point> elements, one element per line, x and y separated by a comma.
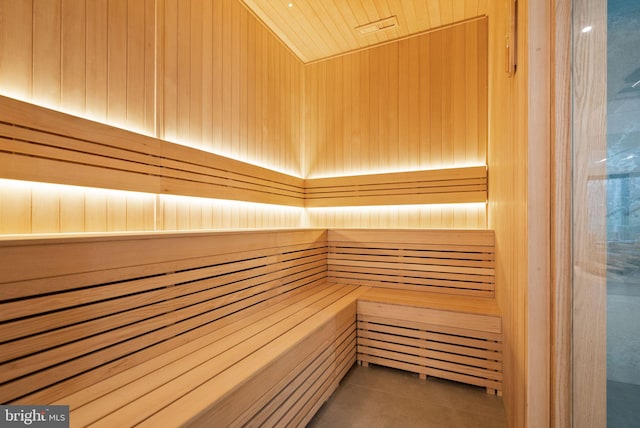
<point>317,29</point>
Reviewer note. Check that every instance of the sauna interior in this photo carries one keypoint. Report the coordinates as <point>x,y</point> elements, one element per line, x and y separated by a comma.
<point>146,142</point>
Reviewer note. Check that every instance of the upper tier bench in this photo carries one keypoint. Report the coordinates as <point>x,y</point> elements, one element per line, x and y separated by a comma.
<point>187,329</point>
<point>431,309</point>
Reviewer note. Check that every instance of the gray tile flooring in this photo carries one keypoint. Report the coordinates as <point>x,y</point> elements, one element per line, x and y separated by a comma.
<point>376,396</point>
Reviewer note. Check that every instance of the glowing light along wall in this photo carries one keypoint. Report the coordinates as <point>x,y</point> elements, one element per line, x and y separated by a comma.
<point>160,68</point>
<point>200,73</point>
<point>412,105</point>
<point>38,208</point>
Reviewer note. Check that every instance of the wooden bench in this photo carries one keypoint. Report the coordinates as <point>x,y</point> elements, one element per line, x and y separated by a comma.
<point>238,328</point>
<point>431,309</point>
<point>225,328</point>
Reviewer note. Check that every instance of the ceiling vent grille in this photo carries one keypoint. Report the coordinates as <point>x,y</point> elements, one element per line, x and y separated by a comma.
<point>374,27</point>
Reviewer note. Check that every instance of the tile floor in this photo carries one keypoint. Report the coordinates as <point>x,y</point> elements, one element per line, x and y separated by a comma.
<point>373,397</point>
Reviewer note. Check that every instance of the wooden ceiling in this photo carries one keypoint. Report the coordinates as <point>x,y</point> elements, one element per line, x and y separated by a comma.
<point>317,29</point>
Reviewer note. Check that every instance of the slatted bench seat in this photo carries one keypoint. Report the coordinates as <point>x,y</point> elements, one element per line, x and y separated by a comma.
<point>186,329</point>
<point>238,328</point>
<point>431,309</point>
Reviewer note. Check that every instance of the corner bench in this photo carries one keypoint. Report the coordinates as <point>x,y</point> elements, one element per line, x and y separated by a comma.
<point>232,328</point>
<point>431,309</point>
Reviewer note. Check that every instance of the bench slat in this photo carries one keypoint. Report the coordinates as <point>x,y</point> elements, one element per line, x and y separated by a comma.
<point>187,372</point>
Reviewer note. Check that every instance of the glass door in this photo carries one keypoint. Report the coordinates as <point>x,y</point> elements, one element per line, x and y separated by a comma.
<point>606,213</point>
<point>623,213</point>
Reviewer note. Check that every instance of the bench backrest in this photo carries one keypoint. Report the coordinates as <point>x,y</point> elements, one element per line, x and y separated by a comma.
<point>77,310</point>
<point>446,261</point>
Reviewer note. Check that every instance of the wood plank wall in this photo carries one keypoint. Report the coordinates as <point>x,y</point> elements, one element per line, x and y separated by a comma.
<point>419,103</point>
<point>397,107</point>
<point>34,208</point>
<point>507,207</point>
<point>228,85</point>
<point>231,88</point>
<point>92,58</point>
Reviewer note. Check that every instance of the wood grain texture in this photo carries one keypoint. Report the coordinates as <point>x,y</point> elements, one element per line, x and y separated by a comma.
<point>92,327</point>
<point>48,146</point>
<point>209,75</point>
<point>561,224</point>
<point>458,339</point>
<point>461,185</point>
<point>507,208</point>
<point>457,262</point>
<point>387,123</point>
<point>85,57</point>
<point>315,31</point>
<point>589,234</point>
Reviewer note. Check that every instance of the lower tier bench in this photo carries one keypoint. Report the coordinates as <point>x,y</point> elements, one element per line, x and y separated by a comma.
<point>433,335</point>
<point>274,367</point>
<point>238,328</point>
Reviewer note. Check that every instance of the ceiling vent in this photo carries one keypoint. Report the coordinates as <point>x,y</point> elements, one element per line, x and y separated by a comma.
<point>374,27</point>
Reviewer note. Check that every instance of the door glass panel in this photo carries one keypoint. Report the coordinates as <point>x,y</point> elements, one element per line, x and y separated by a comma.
<point>623,213</point>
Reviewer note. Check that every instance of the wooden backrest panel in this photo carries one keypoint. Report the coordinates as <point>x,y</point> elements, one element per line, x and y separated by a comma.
<point>455,185</point>
<point>38,144</point>
<point>69,306</point>
<point>445,261</point>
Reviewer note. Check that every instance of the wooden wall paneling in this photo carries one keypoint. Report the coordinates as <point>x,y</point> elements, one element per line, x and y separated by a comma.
<point>117,63</point>
<point>169,70</point>
<point>15,209</point>
<point>344,120</point>
<point>330,97</point>
<point>152,66</point>
<point>47,52</point>
<point>206,76</point>
<point>16,47</point>
<point>135,68</point>
<point>422,217</point>
<point>471,7</point>
<point>458,101</point>
<point>95,212</point>
<point>45,210</point>
<point>196,83</point>
<point>116,212</point>
<point>72,211</point>
<point>418,109</point>
<point>365,100</point>
<point>394,77</point>
<point>355,137</point>
<point>483,93</point>
<point>96,63</point>
<point>243,152</point>
<point>74,61</point>
<point>448,114</point>
<point>436,83</point>
<point>183,73</point>
<point>472,116</point>
<point>234,81</point>
<point>376,66</point>
<point>507,208</point>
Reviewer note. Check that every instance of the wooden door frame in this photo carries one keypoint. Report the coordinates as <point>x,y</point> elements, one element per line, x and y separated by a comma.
<point>578,364</point>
